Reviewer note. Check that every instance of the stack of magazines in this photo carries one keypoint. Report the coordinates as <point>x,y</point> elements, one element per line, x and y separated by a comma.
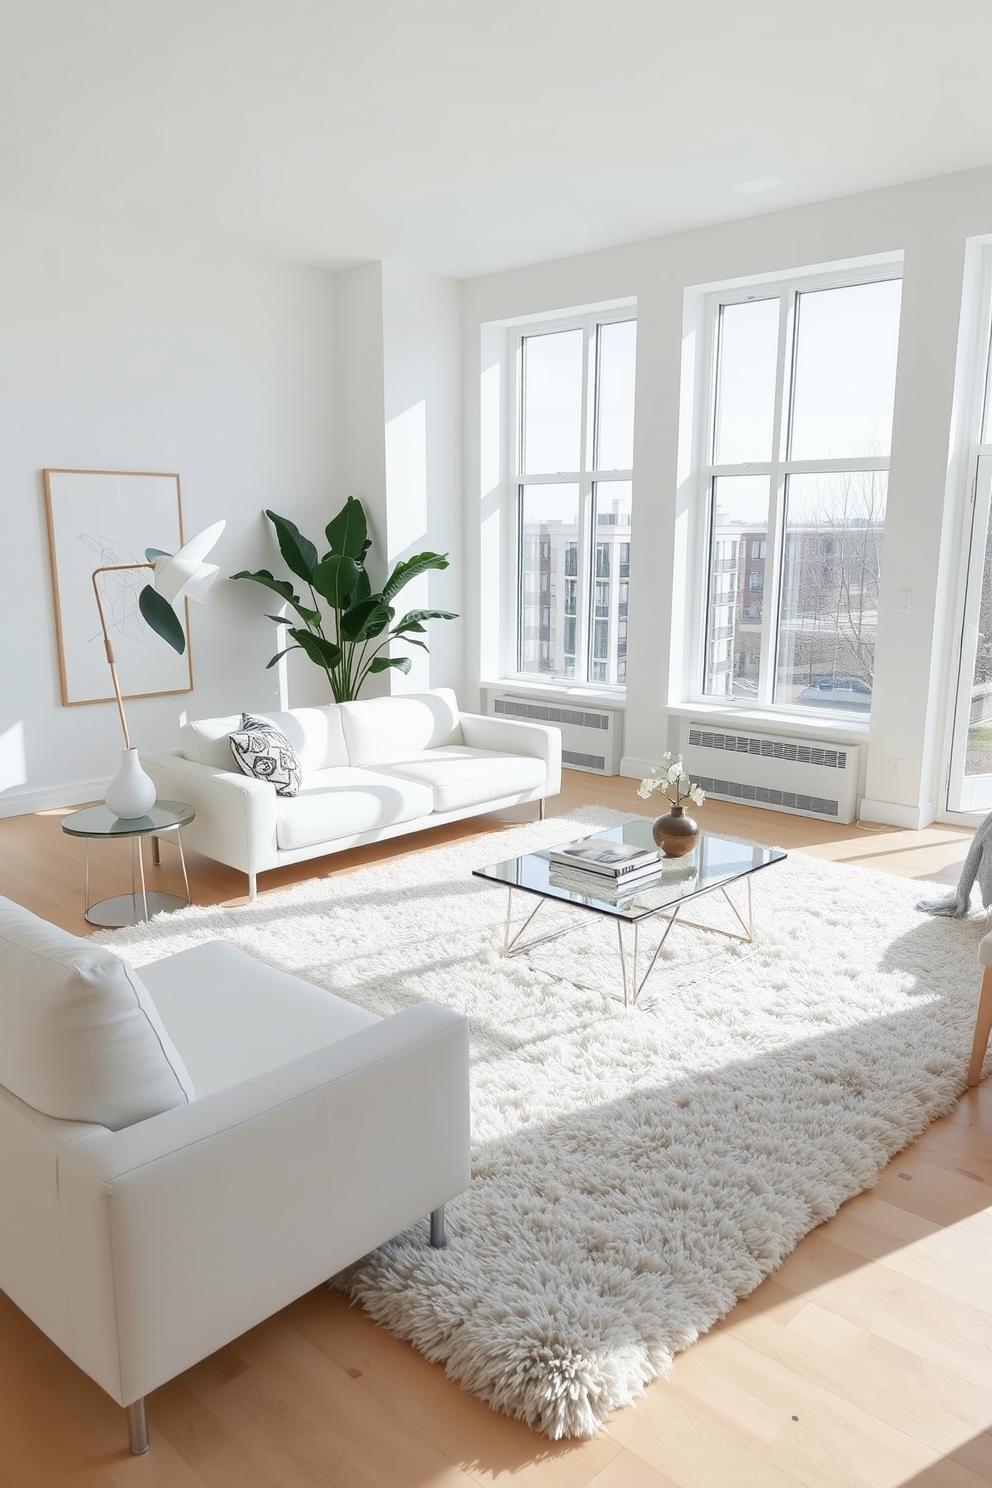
<point>597,865</point>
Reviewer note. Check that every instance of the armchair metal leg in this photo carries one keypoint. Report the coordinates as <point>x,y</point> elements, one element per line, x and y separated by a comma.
<point>438,1237</point>
<point>252,888</point>
<point>137,1427</point>
<point>540,808</point>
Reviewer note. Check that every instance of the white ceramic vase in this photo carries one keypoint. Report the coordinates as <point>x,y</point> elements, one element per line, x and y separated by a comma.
<point>131,792</point>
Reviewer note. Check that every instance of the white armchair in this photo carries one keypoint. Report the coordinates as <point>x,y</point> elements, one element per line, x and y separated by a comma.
<point>184,1153</point>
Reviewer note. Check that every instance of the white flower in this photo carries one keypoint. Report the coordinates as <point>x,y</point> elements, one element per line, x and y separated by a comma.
<point>645,788</point>
<point>697,795</point>
<point>675,773</point>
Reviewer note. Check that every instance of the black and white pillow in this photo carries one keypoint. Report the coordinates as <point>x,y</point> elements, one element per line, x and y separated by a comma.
<point>262,751</point>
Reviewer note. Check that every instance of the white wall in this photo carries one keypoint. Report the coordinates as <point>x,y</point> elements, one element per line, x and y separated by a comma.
<point>400,419</point>
<point>930,222</point>
<point>125,352</point>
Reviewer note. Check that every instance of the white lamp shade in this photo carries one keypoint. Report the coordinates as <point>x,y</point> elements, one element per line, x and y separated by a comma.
<point>184,575</point>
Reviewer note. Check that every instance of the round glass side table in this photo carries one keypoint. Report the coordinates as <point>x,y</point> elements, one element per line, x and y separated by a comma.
<point>99,821</point>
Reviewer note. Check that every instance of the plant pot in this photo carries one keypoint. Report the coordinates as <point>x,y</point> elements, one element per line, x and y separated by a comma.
<point>131,793</point>
<point>675,833</point>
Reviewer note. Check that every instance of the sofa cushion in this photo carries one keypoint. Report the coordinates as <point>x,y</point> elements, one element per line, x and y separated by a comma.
<point>234,1018</point>
<point>380,730</point>
<point>315,734</point>
<point>80,1038</point>
<point>261,750</point>
<point>343,802</point>
<point>460,777</point>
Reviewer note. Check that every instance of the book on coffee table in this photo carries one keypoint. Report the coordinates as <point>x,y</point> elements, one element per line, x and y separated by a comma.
<point>609,859</point>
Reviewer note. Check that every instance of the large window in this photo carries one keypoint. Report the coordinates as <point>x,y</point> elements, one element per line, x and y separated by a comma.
<point>797,467</point>
<point>574,459</point>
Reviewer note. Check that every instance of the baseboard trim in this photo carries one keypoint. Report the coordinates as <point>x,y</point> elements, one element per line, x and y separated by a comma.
<point>23,803</point>
<point>892,814</point>
<point>636,768</point>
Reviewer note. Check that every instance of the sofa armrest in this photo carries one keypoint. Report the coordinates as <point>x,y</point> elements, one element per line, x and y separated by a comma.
<point>195,1225</point>
<point>235,820</point>
<point>514,736</point>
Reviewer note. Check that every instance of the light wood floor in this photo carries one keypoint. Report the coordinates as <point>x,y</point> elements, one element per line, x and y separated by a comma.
<point>864,1362</point>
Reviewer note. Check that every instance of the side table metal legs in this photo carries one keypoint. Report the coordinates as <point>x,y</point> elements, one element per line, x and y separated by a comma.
<point>142,902</point>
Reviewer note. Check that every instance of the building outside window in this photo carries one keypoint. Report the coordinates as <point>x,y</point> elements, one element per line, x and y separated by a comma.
<point>574,468</point>
<point>796,475</point>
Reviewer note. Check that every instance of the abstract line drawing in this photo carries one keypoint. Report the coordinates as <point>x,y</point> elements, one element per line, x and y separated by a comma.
<point>98,519</point>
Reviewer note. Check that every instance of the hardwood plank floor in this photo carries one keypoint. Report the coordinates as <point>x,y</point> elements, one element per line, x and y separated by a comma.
<point>865,1360</point>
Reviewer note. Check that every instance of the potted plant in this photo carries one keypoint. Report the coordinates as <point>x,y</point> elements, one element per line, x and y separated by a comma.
<point>347,642</point>
<point>675,833</point>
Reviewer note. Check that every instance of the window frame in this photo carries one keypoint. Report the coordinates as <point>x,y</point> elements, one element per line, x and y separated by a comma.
<point>787,289</point>
<point>587,478</point>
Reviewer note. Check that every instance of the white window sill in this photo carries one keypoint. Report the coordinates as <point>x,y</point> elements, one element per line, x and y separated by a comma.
<point>554,692</point>
<point>845,730</point>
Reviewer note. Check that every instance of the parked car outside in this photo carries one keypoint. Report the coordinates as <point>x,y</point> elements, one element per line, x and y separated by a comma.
<point>849,693</point>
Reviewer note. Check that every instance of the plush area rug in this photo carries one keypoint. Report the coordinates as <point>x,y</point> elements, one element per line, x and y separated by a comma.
<point>635,1170</point>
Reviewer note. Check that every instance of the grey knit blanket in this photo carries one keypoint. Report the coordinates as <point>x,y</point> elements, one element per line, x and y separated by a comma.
<point>977,868</point>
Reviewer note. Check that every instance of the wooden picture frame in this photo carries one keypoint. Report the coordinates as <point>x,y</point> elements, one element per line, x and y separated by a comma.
<point>98,518</point>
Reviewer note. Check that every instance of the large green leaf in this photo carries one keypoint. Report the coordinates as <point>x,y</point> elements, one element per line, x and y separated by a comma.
<point>298,551</point>
<point>413,618</point>
<point>404,572</point>
<point>365,620</point>
<point>383,663</point>
<point>285,591</point>
<point>363,589</point>
<point>162,618</point>
<point>336,578</point>
<point>324,652</point>
<point>280,654</point>
<point>348,532</point>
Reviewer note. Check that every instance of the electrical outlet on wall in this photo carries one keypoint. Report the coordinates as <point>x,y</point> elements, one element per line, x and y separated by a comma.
<point>895,766</point>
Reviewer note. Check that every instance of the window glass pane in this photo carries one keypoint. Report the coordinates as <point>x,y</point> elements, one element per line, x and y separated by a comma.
<point>552,402</point>
<point>748,352</point>
<point>611,582</point>
<point>733,628</point>
<point>830,576</point>
<point>845,371</point>
<point>548,529</point>
<point>615,402</point>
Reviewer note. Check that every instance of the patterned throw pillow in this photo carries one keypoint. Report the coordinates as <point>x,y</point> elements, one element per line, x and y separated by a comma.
<point>261,750</point>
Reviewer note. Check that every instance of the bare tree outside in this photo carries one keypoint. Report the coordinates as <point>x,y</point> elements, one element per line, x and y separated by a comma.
<point>830,585</point>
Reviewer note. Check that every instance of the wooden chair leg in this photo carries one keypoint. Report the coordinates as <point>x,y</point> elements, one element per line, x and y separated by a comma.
<point>983,1027</point>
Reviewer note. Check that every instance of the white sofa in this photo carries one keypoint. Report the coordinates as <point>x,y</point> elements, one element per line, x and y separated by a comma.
<point>371,769</point>
<point>186,1150</point>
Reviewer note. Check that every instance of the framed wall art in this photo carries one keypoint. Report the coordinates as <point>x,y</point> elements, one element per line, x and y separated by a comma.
<point>97,519</point>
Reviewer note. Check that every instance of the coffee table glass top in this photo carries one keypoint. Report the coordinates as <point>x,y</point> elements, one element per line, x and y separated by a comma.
<point>713,862</point>
<point>100,821</point>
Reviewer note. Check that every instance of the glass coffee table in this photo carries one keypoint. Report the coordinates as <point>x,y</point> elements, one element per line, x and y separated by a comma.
<point>714,865</point>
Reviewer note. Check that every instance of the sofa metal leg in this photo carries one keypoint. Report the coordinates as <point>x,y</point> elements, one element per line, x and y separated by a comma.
<point>137,1427</point>
<point>252,887</point>
<point>540,809</point>
<point>438,1237</point>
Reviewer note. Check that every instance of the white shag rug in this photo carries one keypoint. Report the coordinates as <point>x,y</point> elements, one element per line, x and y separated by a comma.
<point>635,1171</point>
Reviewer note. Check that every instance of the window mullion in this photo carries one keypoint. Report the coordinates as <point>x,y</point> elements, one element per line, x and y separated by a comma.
<point>776,501</point>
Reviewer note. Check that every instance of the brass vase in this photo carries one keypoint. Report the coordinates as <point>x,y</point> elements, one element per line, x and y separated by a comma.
<point>675,833</point>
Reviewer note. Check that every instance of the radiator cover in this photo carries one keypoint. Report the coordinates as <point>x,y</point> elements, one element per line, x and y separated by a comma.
<point>591,738</point>
<point>805,777</point>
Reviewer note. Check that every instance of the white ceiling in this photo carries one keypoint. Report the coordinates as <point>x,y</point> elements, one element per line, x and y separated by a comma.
<point>471,135</point>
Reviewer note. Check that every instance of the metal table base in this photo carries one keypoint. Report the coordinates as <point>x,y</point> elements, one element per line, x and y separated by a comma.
<point>142,902</point>
<point>627,935</point>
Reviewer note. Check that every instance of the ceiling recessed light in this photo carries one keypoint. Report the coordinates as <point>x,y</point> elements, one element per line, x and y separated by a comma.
<point>761,183</point>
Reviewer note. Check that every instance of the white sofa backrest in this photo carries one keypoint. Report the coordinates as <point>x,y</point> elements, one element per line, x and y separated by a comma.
<point>80,1038</point>
<point>315,733</point>
<point>379,730</point>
